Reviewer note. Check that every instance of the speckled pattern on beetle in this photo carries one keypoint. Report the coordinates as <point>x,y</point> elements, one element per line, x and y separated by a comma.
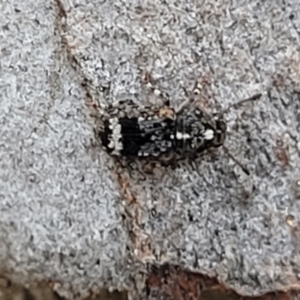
<point>160,132</point>
<point>163,133</point>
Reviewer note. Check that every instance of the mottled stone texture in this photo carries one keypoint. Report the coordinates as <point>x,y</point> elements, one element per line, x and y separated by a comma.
<point>69,215</point>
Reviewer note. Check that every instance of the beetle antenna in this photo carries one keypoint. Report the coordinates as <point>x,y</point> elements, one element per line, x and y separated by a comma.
<point>235,105</point>
<point>236,161</point>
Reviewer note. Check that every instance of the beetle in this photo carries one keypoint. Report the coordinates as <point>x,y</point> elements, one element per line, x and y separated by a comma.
<point>163,133</point>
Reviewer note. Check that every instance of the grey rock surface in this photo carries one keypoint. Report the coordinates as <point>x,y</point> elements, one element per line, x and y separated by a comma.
<point>59,216</point>
<point>61,203</point>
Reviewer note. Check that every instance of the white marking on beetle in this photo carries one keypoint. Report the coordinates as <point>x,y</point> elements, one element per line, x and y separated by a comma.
<point>113,121</point>
<point>111,144</point>
<point>209,134</point>
<point>178,135</point>
<point>182,136</point>
<point>119,145</point>
<point>117,129</point>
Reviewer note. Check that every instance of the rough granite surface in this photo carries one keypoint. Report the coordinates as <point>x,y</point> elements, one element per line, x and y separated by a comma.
<point>63,201</point>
